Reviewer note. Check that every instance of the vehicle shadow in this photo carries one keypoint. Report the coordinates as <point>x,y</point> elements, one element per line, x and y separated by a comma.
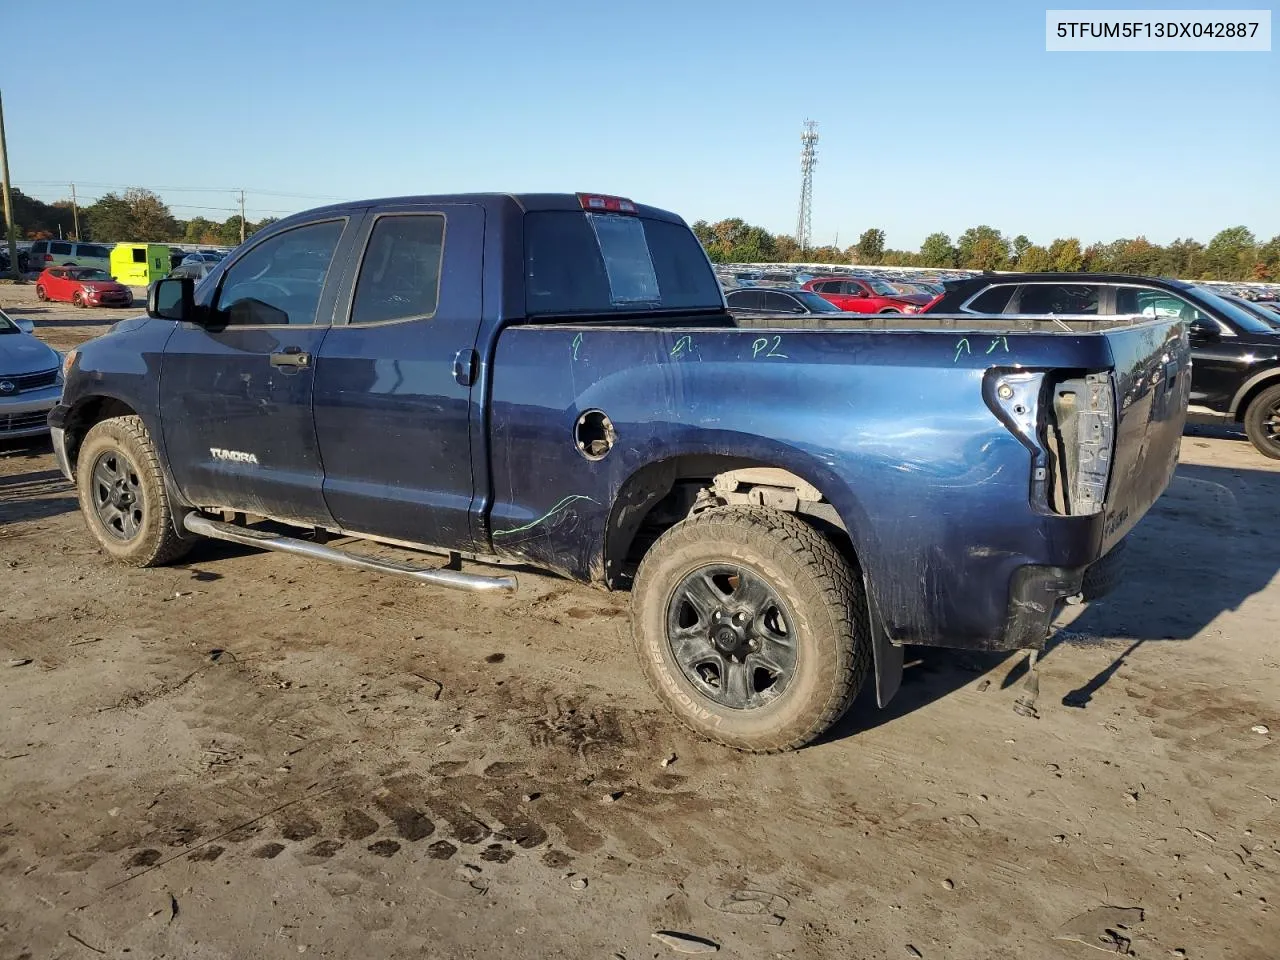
<point>1205,548</point>
<point>37,495</point>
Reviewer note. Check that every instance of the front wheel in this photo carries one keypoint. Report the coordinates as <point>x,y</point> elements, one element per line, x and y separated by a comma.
<point>123,497</point>
<point>1262,422</point>
<point>77,299</point>
<point>751,628</point>
<point>41,293</point>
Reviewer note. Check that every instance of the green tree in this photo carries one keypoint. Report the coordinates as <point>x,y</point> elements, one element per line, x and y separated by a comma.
<point>1035,259</point>
<point>1138,256</point>
<point>229,231</point>
<point>1182,258</point>
<point>198,229</point>
<point>1232,253</point>
<point>1021,243</point>
<point>937,251</point>
<point>871,246</point>
<point>1066,255</point>
<point>109,218</point>
<point>982,248</point>
<point>785,248</point>
<point>150,216</point>
<point>1269,257</point>
<point>825,254</point>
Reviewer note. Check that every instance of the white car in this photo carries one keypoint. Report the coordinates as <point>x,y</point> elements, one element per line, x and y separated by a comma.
<point>30,380</point>
<point>69,253</point>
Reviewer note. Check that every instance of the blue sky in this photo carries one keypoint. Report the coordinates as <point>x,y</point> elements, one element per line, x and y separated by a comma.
<point>933,115</point>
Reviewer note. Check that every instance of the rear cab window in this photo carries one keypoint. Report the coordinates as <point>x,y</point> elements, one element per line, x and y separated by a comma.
<point>581,263</point>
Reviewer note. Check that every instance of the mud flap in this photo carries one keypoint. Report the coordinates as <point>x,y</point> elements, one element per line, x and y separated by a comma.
<point>887,657</point>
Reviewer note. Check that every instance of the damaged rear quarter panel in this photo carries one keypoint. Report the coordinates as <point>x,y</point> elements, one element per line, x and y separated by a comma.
<point>890,426</point>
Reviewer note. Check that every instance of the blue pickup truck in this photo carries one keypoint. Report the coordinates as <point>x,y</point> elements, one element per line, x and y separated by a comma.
<point>554,380</point>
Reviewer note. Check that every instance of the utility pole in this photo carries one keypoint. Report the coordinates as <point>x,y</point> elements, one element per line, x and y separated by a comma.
<point>8,201</point>
<point>242,214</point>
<point>75,212</point>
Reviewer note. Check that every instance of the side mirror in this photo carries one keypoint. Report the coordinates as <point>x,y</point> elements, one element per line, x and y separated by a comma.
<point>172,299</point>
<point>26,326</point>
<point>1202,331</point>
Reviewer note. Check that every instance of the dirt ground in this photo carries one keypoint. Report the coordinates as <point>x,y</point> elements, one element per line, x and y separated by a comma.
<point>255,755</point>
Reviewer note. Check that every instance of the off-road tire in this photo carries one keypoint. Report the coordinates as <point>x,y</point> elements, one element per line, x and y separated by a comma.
<point>156,542</point>
<point>1255,418</point>
<point>825,599</point>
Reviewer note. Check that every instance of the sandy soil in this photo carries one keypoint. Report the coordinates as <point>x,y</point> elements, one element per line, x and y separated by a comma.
<point>254,755</point>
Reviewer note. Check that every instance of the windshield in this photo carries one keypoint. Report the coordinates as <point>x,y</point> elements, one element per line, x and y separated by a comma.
<point>7,325</point>
<point>585,263</point>
<point>814,303</point>
<point>1268,317</point>
<point>1238,315</point>
<point>90,275</point>
<point>882,288</point>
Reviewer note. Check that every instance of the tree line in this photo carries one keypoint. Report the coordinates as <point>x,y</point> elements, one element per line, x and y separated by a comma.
<point>137,214</point>
<point>1233,254</point>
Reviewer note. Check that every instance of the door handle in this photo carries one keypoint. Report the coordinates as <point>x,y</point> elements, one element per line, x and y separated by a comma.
<point>464,367</point>
<point>293,357</point>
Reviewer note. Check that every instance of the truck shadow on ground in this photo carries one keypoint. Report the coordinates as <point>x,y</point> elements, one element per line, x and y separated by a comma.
<point>35,494</point>
<point>1205,548</point>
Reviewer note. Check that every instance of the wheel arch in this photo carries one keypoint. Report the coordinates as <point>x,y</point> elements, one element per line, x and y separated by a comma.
<point>659,494</point>
<point>85,413</point>
<point>1250,389</point>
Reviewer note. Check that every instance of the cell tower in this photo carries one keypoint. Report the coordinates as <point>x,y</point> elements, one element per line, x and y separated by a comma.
<point>808,157</point>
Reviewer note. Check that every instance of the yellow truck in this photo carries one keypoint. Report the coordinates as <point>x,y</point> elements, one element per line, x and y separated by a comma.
<point>138,264</point>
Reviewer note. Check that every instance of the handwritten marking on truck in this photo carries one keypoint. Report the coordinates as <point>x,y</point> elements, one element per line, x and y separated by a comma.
<point>577,342</point>
<point>560,505</point>
<point>683,347</point>
<point>963,345</point>
<point>997,341</point>
<point>758,348</point>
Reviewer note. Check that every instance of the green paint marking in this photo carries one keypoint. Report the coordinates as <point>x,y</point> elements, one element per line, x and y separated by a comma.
<point>577,342</point>
<point>546,516</point>
<point>963,345</point>
<point>997,341</point>
<point>683,345</point>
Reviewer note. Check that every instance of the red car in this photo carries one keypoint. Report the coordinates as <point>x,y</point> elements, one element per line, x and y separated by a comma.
<point>856,295</point>
<point>83,286</point>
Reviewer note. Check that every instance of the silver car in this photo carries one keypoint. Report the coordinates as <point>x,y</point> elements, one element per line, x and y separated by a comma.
<point>30,380</point>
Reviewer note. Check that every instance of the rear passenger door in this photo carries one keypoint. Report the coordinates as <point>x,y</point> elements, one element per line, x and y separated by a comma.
<point>393,401</point>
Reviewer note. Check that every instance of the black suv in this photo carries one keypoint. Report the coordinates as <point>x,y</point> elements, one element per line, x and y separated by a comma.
<point>1235,373</point>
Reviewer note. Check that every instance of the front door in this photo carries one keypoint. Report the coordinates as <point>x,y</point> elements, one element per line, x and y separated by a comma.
<point>236,390</point>
<point>393,400</point>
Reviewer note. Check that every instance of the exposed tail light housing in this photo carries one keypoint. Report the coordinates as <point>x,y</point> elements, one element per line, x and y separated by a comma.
<point>602,203</point>
<point>1067,423</point>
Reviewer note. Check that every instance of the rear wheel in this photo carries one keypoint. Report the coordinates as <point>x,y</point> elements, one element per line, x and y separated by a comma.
<point>1262,422</point>
<point>123,497</point>
<point>41,294</point>
<point>751,628</point>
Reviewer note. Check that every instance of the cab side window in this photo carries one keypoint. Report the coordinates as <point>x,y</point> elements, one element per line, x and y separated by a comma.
<point>1058,298</point>
<point>1157,303</point>
<point>400,273</point>
<point>992,300</point>
<point>280,280</point>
